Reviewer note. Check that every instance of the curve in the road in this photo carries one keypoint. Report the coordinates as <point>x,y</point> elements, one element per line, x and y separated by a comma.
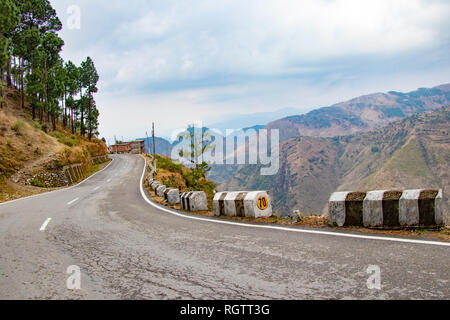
<point>329,233</point>
<point>55,191</point>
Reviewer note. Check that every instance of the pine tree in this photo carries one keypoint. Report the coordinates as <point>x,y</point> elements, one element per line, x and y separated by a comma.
<point>90,78</point>
<point>9,19</point>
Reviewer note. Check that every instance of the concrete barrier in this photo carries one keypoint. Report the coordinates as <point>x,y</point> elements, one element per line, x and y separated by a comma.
<point>421,208</point>
<point>160,190</point>
<point>346,208</point>
<point>387,209</point>
<point>172,196</point>
<point>184,200</point>
<point>243,204</point>
<point>194,201</point>
<point>381,209</point>
<point>154,185</point>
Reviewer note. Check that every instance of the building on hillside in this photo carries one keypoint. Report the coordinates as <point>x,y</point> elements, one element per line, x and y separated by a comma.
<point>121,148</point>
<point>134,147</point>
<point>137,147</point>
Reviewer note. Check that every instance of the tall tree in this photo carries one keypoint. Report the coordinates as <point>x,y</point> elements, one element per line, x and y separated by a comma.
<point>52,45</point>
<point>90,78</point>
<point>9,19</point>
<point>72,89</point>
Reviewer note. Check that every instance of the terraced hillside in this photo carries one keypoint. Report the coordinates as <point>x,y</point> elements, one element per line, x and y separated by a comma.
<point>412,153</point>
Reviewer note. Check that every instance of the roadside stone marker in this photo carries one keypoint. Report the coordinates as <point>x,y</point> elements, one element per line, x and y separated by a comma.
<point>172,196</point>
<point>381,209</point>
<point>243,204</point>
<point>346,208</point>
<point>160,190</point>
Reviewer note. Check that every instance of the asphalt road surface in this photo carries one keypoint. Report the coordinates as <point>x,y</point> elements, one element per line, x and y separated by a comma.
<point>126,248</point>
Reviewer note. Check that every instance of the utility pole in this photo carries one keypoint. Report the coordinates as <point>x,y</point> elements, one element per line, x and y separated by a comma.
<point>148,143</point>
<point>153,134</point>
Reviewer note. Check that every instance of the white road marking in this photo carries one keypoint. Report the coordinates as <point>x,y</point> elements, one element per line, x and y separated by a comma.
<point>44,225</point>
<point>56,191</point>
<point>109,180</point>
<point>73,201</point>
<point>96,188</point>
<point>328,233</point>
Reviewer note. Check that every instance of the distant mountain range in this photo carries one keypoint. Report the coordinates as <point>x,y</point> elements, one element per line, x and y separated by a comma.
<point>362,114</point>
<point>162,146</point>
<point>412,153</point>
<point>256,120</point>
<point>378,141</point>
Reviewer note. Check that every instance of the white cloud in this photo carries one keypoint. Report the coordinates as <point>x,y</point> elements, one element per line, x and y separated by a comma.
<point>233,56</point>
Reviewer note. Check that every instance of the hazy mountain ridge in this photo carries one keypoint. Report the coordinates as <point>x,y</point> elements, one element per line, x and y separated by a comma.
<point>362,114</point>
<point>412,153</point>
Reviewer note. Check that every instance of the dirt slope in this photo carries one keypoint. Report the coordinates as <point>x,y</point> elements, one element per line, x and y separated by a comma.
<point>26,150</point>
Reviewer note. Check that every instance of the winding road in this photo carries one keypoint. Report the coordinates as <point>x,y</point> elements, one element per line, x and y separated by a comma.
<point>128,248</point>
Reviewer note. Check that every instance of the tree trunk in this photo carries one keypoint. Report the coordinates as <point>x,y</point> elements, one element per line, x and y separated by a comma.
<point>21,83</point>
<point>82,113</point>
<point>8,74</point>
<point>71,103</point>
<point>54,119</point>
<point>46,89</point>
<point>90,116</point>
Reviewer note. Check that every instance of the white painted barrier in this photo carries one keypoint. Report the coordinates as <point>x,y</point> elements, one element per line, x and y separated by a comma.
<point>198,201</point>
<point>194,201</point>
<point>388,209</point>
<point>172,196</point>
<point>421,208</point>
<point>409,208</point>
<point>243,204</point>
<point>373,209</point>
<point>160,190</point>
<point>154,185</point>
<point>336,208</point>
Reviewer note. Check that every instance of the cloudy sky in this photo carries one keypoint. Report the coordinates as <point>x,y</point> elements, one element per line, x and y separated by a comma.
<point>174,62</point>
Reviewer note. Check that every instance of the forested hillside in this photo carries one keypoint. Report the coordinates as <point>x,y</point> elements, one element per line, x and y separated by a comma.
<point>48,114</point>
<point>30,60</point>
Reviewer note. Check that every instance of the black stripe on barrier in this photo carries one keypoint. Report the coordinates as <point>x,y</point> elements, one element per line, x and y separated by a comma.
<point>188,201</point>
<point>427,207</point>
<point>391,208</point>
<point>239,203</point>
<point>354,208</point>
<point>222,203</point>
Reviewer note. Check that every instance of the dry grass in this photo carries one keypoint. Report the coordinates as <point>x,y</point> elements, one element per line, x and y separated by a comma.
<point>312,222</point>
<point>23,143</point>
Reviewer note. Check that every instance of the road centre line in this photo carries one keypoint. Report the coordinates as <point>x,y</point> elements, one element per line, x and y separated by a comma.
<point>44,225</point>
<point>73,201</point>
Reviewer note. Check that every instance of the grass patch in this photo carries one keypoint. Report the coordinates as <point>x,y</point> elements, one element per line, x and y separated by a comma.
<point>37,183</point>
<point>194,179</point>
<point>18,126</point>
<point>70,141</point>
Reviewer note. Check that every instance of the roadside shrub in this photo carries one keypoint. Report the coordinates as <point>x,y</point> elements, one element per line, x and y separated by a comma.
<point>17,127</point>
<point>169,165</point>
<point>37,183</point>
